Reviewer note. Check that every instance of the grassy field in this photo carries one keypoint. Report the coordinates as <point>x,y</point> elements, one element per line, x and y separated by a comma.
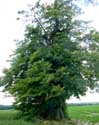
<point>7,117</point>
<point>85,113</point>
<point>89,113</point>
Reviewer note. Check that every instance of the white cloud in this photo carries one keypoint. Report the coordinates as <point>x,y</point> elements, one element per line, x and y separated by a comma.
<point>92,15</point>
<point>89,98</point>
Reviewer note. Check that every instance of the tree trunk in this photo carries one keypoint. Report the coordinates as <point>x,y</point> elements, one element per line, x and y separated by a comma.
<point>56,113</point>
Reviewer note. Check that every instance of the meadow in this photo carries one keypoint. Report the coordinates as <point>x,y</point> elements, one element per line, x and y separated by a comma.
<point>87,113</point>
<point>80,115</point>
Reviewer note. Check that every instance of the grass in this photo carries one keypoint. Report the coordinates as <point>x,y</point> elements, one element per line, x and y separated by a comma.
<point>87,114</point>
<point>7,117</point>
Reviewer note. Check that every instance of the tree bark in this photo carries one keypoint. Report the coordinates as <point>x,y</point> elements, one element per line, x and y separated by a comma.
<point>56,113</point>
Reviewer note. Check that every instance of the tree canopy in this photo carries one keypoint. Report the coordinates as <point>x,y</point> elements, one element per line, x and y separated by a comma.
<point>57,59</point>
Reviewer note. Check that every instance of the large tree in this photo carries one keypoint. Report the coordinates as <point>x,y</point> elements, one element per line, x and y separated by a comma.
<point>52,64</point>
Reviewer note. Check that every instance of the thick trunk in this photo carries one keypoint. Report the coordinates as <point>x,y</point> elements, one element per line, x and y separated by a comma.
<point>56,113</point>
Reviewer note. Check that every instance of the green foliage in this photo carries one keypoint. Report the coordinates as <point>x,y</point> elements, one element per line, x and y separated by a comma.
<point>50,65</point>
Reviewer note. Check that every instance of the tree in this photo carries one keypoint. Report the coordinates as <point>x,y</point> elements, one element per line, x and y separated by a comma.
<point>52,64</point>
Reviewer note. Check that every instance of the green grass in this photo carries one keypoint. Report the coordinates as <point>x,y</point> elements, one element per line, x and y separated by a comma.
<point>86,113</point>
<point>8,117</point>
<point>89,113</point>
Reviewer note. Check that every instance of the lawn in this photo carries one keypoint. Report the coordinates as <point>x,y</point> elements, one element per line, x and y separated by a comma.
<point>88,113</point>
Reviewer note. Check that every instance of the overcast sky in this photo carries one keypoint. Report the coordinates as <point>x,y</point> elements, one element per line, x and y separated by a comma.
<point>11,29</point>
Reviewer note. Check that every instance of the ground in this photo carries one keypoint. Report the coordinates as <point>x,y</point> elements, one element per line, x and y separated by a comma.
<point>80,115</point>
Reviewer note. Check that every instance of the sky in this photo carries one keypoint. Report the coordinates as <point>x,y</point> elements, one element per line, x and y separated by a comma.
<point>11,29</point>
